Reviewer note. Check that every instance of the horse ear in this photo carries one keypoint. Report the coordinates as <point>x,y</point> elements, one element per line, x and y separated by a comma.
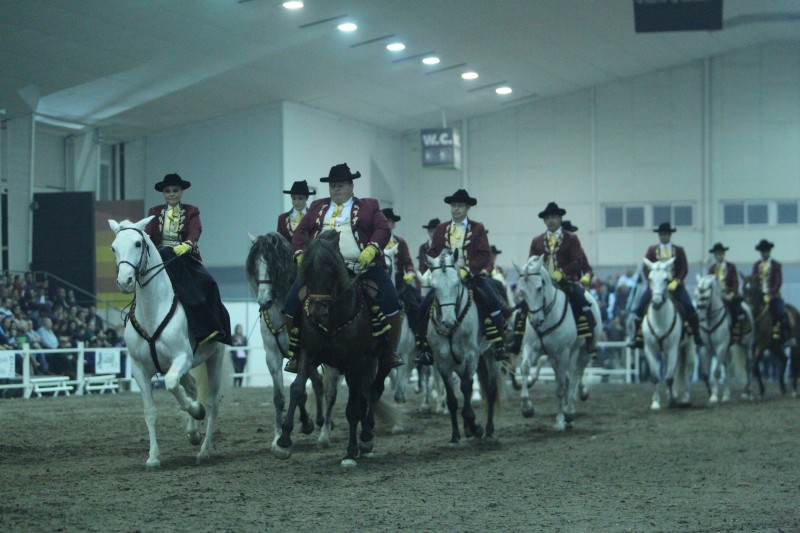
<point>648,263</point>
<point>144,222</point>
<point>516,267</point>
<point>429,261</point>
<point>114,225</point>
<point>252,237</point>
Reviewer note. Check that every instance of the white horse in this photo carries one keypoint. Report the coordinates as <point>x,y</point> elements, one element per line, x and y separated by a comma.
<point>157,337</point>
<point>715,324</point>
<point>270,272</point>
<point>551,330</point>
<point>663,336</point>
<point>406,346</point>
<point>458,346</point>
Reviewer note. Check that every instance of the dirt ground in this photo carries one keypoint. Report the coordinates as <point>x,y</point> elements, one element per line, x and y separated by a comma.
<point>77,464</point>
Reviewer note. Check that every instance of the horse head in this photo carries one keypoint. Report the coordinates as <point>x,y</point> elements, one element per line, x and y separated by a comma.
<point>707,286</point>
<point>323,273</point>
<point>446,283</point>
<point>658,278</point>
<point>132,250</point>
<point>270,269</point>
<point>536,286</point>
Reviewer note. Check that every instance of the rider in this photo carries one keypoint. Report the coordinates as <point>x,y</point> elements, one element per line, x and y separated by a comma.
<point>364,233</point>
<point>664,251</point>
<point>175,231</point>
<point>564,257</point>
<point>426,246</point>
<point>586,270</point>
<point>474,263</point>
<point>768,272</point>
<point>405,278</point>
<point>728,279</point>
<point>288,221</point>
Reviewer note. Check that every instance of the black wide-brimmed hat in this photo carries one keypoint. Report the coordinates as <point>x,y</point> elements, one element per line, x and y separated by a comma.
<point>552,209</point>
<point>718,248</point>
<point>389,214</point>
<point>664,227</point>
<point>495,251</point>
<point>172,179</point>
<point>300,187</point>
<point>567,225</point>
<point>764,245</point>
<point>461,196</point>
<point>340,173</point>
<point>432,223</point>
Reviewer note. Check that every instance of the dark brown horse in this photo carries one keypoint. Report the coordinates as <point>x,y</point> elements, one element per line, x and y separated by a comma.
<point>766,339</point>
<point>336,331</point>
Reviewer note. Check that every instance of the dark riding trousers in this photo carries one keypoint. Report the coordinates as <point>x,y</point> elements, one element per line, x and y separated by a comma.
<point>680,294</point>
<point>485,297</point>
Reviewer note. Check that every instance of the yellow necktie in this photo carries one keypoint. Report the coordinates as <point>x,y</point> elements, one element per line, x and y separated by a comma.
<point>721,272</point>
<point>455,235</point>
<point>666,253</point>
<point>551,241</point>
<point>336,212</point>
<point>172,215</point>
<point>298,216</point>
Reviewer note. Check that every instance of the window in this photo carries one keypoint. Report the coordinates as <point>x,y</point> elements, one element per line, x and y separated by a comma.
<point>760,213</point>
<point>646,215</point>
<point>757,214</point>
<point>634,217</point>
<point>662,213</point>
<point>682,215</point>
<point>733,214</point>
<point>613,217</point>
<point>787,212</point>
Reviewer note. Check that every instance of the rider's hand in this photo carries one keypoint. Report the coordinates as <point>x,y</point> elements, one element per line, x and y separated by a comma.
<point>586,279</point>
<point>766,298</point>
<point>672,285</point>
<point>366,256</point>
<point>409,278</point>
<point>181,249</point>
<point>557,275</point>
<point>299,258</point>
<point>463,272</point>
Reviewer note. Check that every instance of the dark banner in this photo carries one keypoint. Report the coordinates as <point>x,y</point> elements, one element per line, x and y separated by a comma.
<point>441,148</point>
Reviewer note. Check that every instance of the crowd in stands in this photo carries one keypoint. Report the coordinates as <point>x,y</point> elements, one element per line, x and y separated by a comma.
<point>48,317</point>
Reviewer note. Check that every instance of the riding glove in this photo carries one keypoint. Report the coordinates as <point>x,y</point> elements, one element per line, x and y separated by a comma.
<point>557,275</point>
<point>463,272</point>
<point>672,285</point>
<point>766,298</point>
<point>366,256</point>
<point>409,278</point>
<point>299,258</point>
<point>586,279</point>
<point>181,248</point>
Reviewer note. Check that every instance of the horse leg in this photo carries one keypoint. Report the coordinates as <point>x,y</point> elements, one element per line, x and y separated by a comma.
<point>150,413</point>
<point>318,387</point>
<point>424,385</point>
<point>274,362</point>
<point>214,370</point>
<point>783,364</point>
<point>452,406</point>
<point>471,427</point>
<point>192,426</point>
<point>488,374</point>
<point>757,358</point>
<point>715,373</point>
<point>172,381</point>
<point>352,411</point>
<point>283,447</point>
<point>331,379</point>
<point>374,390</point>
<point>560,370</point>
<point>655,377</point>
<point>525,370</point>
<point>578,362</point>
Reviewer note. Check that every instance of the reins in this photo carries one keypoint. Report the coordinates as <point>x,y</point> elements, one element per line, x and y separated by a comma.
<point>722,310</point>
<point>460,316</point>
<point>661,338</point>
<point>546,308</point>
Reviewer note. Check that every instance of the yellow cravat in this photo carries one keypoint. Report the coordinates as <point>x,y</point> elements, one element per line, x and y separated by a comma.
<point>666,253</point>
<point>298,216</point>
<point>336,212</point>
<point>722,272</point>
<point>455,235</point>
<point>551,241</point>
<point>172,215</point>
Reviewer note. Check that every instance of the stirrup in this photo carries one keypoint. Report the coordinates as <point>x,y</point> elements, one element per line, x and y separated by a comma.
<point>291,366</point>
<point>500,353</point>
<point>395,361</point>
<point>423,358</point>
<point>213,335</point>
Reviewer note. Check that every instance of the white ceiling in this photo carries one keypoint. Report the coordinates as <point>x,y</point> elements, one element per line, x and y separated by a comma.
<point>135,67</point>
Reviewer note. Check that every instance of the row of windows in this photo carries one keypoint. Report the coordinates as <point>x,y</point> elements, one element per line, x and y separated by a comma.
<point>750,213</point>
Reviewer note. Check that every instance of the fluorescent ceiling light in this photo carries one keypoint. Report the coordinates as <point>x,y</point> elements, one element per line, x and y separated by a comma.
<point>395,47</point>
<point>293,4</point>
<point>503,90</point>
<point>431,60</point>
<point>347,27</point>
<point>469,75</point>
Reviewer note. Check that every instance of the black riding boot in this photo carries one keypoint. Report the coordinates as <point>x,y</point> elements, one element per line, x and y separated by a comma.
<point>787,340</point>
<point>591,346</point>
<point>694,323</point>
<point>424,355</point>
<point>636,340</point>
<point>294,346</point>
<point>520,321</point>
<point>495,327</point>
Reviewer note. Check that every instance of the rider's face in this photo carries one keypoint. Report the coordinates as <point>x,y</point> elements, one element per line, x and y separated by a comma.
<point>553,222</point>
<point>341,191</point>
<point>172,194</point>
<point>458,211</point>
<point>664,237</point>
<point>719,256</point>
<point>299,201</point>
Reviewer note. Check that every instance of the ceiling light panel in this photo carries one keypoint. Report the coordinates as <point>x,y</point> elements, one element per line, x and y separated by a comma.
<point>431,60</point>
<point>470,75</point>
<point>395,47</point>
<point>347,27</point>
<point>504,90</point>
<point>293,4</point>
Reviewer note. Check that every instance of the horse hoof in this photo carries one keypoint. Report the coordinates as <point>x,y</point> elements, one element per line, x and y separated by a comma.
<point>194,438</point>
<point>307,428</point>
<point>348,463</point>
<point>584,395</point>
<point>569,418</point>
<point>367,455</point>
<point>528,413</point>
<point>397,428</point>
<point>152,464</point>
<point>202,458</point>
<point>425,409</point>
<point>324,441</point>
<point>713,399</point>
<point>453,444</point>
<point>282,453</point>
<point>655,406</point>
<point>365,447</point>
<point>201,413</point>
<point>477,431</point>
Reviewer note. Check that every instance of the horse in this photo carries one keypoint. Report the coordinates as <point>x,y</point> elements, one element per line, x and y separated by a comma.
<point>336,331</point>
<point>270,272</point>
<point>766,340</point>
<point>157,337</point>
<point>406,346</point>
<point>715,328</point>
<point>458,346</point>
<point>551,329</point>
<point>664,336</point>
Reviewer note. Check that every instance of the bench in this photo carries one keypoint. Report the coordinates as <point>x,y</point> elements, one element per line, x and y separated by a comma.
<point>101,383</point>
<point>54,384</point>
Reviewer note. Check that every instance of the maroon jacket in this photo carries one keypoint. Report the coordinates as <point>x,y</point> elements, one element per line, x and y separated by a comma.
<point>285,226</point>
<point>775,277</point>
<point>731,277</point>
<point>423,251</point>
<point>189,227</point>
<point>368,223</point>
<point>476,252</point>
<point>402,257</point>
<point>680,267</point>
<point>570,258</point>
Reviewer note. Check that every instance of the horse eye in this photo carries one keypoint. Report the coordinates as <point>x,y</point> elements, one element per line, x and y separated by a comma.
<point>138,244</point>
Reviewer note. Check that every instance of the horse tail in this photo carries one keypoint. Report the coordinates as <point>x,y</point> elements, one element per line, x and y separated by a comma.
<point>200,374</point>
<point>388,414</point>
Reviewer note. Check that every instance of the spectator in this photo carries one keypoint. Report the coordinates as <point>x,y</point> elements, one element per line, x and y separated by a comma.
<point>239,356</point>
<point>91,314</point>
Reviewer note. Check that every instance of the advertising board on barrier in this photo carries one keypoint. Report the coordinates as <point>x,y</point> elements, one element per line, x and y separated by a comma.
<point>7,365</point>
<point>106,362</point>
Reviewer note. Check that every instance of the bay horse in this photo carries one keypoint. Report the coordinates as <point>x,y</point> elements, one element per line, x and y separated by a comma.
<point>551,329</point>
<point>336,331</point>
<point>158,341</point>
<point>665,339</point>
<point>766,340</point>
<point>715,328</point>
<point>459,346</point>
<point>270,272</point>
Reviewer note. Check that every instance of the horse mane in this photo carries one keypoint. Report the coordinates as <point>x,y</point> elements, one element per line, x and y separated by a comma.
<point>277,253</point>
<point>323,260</point>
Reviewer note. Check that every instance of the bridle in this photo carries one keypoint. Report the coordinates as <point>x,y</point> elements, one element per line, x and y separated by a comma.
<point>141,269</point>
<point>545,309</point>
<point>706,302</point>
